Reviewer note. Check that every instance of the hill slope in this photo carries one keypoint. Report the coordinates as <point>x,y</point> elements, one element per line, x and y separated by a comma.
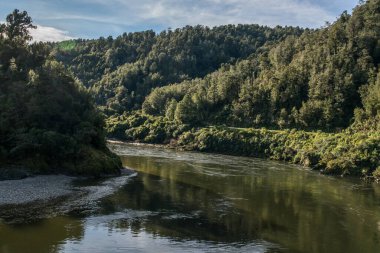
<point>315,81</point>
<point>122,71</point>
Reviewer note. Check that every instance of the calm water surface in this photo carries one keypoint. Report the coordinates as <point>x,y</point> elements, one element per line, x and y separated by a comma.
<point>192,202</point>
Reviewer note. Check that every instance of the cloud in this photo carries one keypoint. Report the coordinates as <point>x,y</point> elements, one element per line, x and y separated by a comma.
<point>178,13</point>
<point>46,33</point>
<point>218,12</point>
<point>94,18</point>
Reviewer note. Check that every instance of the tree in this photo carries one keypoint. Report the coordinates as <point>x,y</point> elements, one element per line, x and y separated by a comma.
<point>170,110</point>
<point>14,35</point>
<point>17,27</point>
<point>371,98</point>
<point>186,111</point>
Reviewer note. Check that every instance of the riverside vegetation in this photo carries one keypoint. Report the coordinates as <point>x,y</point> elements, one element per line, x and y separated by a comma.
<point>48,122</point>
<point>349,152</point>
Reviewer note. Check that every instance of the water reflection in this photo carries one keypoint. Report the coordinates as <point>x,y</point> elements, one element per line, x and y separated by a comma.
<point>248,199</point>
<point>191,202</point>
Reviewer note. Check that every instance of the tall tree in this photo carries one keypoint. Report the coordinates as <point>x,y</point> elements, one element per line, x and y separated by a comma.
<point>17,27</point>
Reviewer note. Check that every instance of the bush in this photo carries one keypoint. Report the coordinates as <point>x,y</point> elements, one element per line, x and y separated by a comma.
<point>144,128</point>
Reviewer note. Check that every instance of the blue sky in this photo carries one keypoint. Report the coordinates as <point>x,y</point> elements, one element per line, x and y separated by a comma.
<point>64,19</point>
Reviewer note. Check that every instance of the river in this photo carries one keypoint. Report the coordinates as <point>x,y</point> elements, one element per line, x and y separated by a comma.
<point>194,202</point>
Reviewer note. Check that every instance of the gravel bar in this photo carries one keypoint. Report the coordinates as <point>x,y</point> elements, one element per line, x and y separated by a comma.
<point>16,192</point>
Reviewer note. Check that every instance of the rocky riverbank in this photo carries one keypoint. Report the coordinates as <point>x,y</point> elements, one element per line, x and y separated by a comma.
<point>45,196</point>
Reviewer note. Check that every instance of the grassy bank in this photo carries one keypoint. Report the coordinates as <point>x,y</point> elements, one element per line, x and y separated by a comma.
<point>353,153</point>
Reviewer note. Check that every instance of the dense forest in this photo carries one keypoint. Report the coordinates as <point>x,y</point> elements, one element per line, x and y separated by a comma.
<point>122,71</point>
<point>48,122</point>
<point>320,80</point>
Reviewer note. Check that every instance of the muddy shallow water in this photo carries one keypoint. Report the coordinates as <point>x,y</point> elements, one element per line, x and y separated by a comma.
<point>192,202</point>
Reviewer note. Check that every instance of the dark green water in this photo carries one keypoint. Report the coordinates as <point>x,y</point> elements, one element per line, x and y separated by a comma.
<point>191,202</point>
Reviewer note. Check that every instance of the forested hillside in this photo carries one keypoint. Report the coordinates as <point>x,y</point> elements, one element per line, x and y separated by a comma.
<point>283,78</point>
<point>48,122</point>
<point>320,80</point>
<point>122,71</point>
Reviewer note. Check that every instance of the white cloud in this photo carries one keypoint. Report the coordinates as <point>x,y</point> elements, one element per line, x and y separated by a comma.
<point>46,33</point>
<point>218,12</point>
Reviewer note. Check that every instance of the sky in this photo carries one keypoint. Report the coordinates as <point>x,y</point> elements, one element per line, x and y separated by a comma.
<point>65,19</point>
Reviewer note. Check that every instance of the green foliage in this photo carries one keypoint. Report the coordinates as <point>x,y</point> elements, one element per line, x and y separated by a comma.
<point>122,71</point>
<point>47,120</point>
<point>376,174</point>
<point>355,154</point>
<point>95,162</point>
<point>314,81</point>
<point>69,45</point>
<point>17,27</point>
<point>144,128</point>
<point>368,117</point>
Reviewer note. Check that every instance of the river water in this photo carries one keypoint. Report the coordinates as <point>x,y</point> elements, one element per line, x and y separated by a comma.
<point>193,202</point>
